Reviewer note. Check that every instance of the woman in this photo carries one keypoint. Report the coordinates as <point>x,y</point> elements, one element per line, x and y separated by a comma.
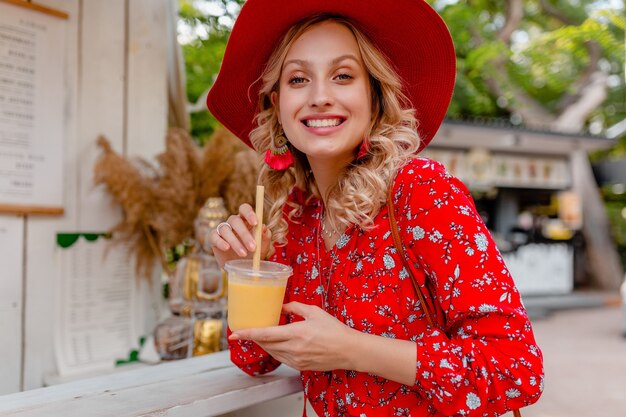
<point>350,93</point>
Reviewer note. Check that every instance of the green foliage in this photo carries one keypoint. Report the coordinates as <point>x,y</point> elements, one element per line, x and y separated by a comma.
<point>203,58</point>
<point>617,151</point>
<point>545,60</point>
<point>203,53</point>
<point>192,13</point>
<point>474,55</point>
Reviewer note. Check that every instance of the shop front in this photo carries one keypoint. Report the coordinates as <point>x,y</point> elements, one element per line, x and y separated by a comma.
<point>524,188</point>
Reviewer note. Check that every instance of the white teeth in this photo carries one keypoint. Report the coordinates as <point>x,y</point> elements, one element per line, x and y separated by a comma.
<point>322,122</point>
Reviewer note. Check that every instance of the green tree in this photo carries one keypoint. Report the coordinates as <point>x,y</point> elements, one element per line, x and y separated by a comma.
<point>548,64</point>
<point>203,32</point>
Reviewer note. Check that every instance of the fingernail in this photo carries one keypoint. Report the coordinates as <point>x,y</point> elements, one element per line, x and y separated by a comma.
<point>233,337</point>
<point>242,252</point>
<point>251,245</point>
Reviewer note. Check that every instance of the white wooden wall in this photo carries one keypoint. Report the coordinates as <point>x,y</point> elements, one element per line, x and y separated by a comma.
<point>115,84</point>
<point>11,238</point>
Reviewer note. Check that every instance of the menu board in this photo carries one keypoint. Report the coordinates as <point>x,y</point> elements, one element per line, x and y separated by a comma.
<point>32,58</point>
<point>96,321</point>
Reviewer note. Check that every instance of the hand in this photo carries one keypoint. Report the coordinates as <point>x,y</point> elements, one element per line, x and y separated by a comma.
<point>237,241</point>
<point>319,343</point>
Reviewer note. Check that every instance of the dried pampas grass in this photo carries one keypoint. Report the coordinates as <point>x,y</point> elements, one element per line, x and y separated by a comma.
<point>240,186</point>
<point>135,193</point>
<point>177,199</point>
<point>161,203</point>
<point>217,162</point>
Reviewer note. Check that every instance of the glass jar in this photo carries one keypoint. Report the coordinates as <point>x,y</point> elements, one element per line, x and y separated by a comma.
<point>173,338</point>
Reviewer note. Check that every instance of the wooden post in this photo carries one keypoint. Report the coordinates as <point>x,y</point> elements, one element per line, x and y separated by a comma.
<point>604,264</point>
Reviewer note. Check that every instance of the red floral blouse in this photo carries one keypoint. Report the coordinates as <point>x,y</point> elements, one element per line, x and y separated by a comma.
<point>481,361</point>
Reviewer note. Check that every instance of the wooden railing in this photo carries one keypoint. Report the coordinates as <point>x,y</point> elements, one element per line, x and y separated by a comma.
<point>198,387</point>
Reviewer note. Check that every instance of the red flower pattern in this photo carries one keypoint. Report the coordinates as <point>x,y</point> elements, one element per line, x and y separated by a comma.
<point>482,360</point>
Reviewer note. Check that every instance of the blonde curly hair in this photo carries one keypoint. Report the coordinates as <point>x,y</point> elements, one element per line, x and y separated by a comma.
<point>361,190</point>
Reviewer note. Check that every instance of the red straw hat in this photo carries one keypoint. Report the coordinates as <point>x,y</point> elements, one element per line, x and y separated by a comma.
<point>409,32</point>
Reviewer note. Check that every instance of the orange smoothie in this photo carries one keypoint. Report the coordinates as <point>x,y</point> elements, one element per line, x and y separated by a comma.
<point>255,297</point>
<point>253,304</point>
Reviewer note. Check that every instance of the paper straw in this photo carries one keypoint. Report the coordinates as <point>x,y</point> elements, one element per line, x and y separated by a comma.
<point>256,260</point>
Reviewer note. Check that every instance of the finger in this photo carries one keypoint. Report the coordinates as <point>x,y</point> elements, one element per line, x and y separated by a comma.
<point>247,212</point>
<point>271,334</point>
<point>244,241</point>
<point>267,234</point>
<point>280,351</point>
<point>300,309</point>
<point>228,235</point>
<point>281,355</point>
<point>218,242</point>
<point>266,238</point>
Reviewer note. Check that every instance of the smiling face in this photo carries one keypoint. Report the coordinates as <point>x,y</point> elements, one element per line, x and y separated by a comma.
<point>324,101</point>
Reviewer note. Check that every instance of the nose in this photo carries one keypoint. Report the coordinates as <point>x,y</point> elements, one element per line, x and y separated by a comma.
<point>321,95</point>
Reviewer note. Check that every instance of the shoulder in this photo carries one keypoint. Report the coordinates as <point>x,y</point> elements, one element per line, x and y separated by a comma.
<point>418,171</point>
<point>424,181</point>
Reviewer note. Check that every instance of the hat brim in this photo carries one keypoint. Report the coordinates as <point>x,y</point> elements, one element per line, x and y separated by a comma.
<point>409,32</point>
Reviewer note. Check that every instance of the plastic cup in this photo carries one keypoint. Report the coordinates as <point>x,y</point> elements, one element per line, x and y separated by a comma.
<point>255,297</point>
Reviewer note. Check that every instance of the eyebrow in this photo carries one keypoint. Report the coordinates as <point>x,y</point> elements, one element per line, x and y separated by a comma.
<point>304,63</point>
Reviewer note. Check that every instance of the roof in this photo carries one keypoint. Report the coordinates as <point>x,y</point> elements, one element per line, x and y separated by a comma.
<point>503,123</point>
<point>498,135</point>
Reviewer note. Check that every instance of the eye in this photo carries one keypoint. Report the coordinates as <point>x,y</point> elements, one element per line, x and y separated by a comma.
<point>297,80</point>
<point>344,77</point>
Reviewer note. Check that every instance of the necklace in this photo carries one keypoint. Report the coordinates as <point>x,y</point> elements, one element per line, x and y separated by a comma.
<point>320,271</point>
<point>327,231</point>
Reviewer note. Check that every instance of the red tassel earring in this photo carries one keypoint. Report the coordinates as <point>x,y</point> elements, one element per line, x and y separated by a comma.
<point>278,156</point>
<point>364,149</point>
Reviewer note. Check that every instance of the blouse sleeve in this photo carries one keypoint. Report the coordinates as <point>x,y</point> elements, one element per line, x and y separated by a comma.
<point>246,354</point>
<point>484,360</point>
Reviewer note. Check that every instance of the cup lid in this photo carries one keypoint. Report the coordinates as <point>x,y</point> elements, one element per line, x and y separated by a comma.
<point>268,269</point>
